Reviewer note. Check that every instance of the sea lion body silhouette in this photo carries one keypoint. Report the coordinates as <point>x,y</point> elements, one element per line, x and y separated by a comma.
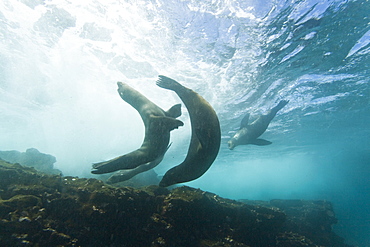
<point>205,135</point>
<point>249,133</point>
<point>158,124</point>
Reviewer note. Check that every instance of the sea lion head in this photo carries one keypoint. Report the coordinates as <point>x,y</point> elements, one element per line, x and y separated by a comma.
<point>231,144</point>
<point>235,140</point>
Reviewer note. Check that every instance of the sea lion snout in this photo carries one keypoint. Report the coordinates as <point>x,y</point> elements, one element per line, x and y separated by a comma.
<point>120,84</point>
<point>231,145</point>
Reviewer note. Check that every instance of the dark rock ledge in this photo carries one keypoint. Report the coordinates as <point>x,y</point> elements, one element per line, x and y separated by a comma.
<point>37,209</point>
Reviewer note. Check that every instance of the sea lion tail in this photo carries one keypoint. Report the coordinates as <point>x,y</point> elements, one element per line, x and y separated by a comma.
<point>281,104</point>
<point>277,108</point>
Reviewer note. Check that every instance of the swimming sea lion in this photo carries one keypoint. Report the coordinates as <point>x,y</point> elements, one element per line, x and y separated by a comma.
<point>205,135</point>
<point>248,133</point>
<point>124,175</point>
<point>158,125</point>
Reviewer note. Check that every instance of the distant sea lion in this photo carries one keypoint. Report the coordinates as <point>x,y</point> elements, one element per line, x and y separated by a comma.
<point>248,133</point>
<point>127,174</point>
<point>205,135</point>
<point>158,125</point>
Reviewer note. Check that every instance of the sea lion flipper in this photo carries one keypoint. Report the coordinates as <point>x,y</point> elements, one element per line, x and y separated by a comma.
<point>174,111</point>
<point>167,83</point>
<point>260,142</point>
<point>245,120</point>
<point>127,174</point>
<point>168,122</point>
<point>120,176</point>
<point>101,164</point>
<point>107,166</point>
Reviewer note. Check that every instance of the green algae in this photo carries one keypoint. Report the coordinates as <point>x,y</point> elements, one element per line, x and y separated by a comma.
<point>22,201</point>
<point>37,209</point>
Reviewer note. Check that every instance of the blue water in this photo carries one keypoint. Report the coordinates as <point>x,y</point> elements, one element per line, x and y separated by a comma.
<point>59,63</point>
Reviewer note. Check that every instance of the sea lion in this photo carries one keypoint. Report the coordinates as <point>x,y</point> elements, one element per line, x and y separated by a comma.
<point>205,135</point>
<point>158,124</point>
<point>127,174</point>
<point>248,133</point>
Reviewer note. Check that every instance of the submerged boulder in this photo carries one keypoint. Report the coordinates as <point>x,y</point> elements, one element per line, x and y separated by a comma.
<point>50,210</point>
<point>32,158</point>
<point>309,218</point>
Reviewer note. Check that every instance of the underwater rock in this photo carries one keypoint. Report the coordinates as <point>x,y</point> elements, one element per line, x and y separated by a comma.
<point>50,210</point>
<point>33,158</point>
<point>312,219</point>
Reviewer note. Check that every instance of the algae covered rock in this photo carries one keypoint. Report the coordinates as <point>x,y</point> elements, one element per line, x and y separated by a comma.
<point>307,222</point>
<point>31,158</point>
<point>50,210</point>
<point>202,217</point>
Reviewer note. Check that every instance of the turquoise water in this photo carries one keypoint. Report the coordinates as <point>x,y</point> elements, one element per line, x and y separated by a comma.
<point>59,63</point>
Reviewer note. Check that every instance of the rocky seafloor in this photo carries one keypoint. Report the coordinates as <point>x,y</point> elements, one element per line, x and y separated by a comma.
<point>38,209</point>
